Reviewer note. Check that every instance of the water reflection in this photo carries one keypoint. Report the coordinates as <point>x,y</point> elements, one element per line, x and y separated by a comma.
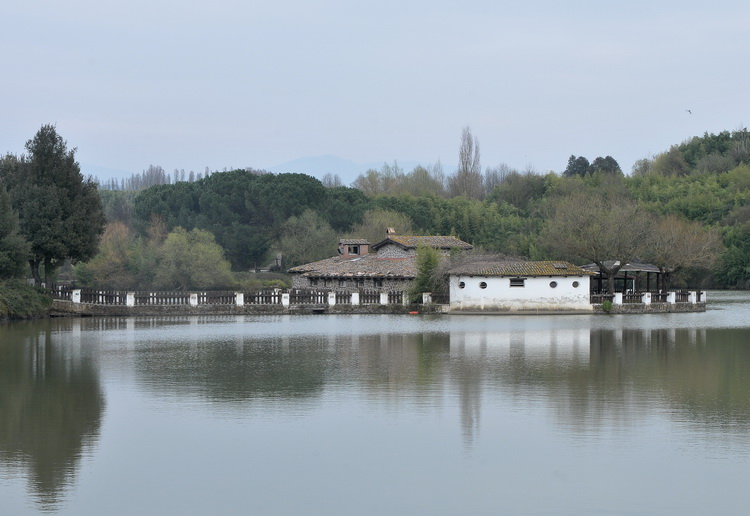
<point>592,380</point>
<point>51,407</point>
<point>587,379</point>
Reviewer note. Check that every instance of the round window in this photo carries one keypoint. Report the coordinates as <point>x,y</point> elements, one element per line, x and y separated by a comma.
<point>553,284</point>
<point>483,285</point>
<point>461,284</point>
<point>575,284</point>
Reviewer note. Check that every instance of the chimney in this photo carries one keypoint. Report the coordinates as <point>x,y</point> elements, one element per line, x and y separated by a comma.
<point>353,248</point>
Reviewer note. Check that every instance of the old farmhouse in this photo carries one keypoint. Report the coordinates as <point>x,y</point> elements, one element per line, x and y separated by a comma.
<point>518,286</point>
<point>388,265</point>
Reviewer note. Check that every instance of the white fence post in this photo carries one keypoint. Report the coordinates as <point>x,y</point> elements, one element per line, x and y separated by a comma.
<point>692,298</point>
<point>239,298</point>
<point>130,299</point>
<point>618,298</point>
<point>646,300</point>
<point>331,298</point>
<point>671,298</point>
<point>193,299</point>
<point>75,295</point>
<point>285,299</point>
<point>426,298</point>
<point>355,298</point>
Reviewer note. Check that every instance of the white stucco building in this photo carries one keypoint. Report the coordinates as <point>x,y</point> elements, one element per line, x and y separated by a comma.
<point>518,286</point>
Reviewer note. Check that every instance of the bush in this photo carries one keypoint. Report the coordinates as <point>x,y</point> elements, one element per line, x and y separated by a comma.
<point>19,300</point>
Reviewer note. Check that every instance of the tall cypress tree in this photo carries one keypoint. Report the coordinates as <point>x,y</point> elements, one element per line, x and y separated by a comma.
<point>60,212</point>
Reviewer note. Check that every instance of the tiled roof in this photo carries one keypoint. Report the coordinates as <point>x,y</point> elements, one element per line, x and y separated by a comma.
<point>519,268</point>
<point>368,266</point>
<point>437,242</point>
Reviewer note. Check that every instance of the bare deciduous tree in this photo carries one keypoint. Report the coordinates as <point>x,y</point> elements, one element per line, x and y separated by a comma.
<point>608,230</point>
<point>675,244</point>
<point>468,179</point>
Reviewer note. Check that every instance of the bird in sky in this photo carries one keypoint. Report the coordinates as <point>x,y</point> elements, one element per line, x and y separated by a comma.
<point>689,112</point>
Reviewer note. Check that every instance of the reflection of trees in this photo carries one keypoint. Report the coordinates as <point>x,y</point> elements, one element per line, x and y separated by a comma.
<point>702,374</point>
<point>237,371</point>
<point>51,407</point>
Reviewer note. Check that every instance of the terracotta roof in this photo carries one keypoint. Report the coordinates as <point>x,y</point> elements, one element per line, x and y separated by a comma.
<point>411,242</point>
<point>367,266</point>
<point>519,268</point>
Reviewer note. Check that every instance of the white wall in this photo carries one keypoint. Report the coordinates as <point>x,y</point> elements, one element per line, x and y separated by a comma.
<point>536,294</point>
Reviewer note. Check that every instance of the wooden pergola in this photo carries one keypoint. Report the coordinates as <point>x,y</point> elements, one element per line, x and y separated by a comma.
<point>629,272</point>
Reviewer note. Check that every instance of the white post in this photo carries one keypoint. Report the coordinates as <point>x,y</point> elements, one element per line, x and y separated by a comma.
<point>130,299</point>
<point>331,298</point>
<point>285,299</point>
<point>75,296</point>
<point>404,297</point>
<point>646,300</point>
<point>671,298</point>
<point>239,298</point>
<point>618,298</point>
<point>692,298</point>
<point>426,298</point>
<point>355,298</point>
<point>193,299</point>
<point>384,298</point>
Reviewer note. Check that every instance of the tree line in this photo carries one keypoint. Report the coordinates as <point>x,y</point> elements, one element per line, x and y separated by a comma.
<point>685,210</point>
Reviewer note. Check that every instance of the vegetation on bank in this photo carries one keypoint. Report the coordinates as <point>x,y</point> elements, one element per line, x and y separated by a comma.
<point>18,300</point>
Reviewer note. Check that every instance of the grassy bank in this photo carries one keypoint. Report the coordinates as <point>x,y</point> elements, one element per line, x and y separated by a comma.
<point>21,301</point>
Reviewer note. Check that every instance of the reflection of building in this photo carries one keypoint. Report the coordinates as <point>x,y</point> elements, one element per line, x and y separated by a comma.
<point>517,285</point>
<point>391,266</point>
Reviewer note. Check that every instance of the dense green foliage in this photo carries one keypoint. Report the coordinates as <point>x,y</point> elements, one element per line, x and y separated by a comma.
<point>19,300</point>
<point>14,250</point>
<point>60,212</point>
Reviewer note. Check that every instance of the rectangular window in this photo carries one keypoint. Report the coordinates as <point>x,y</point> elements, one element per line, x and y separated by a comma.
<point>313,282</point>
<point>377,282</point>
<point>353,249</point>
<point>517,282</point>
<point>342,283</point>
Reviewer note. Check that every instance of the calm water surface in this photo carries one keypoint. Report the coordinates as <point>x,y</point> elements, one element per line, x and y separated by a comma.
<point>378,415</point>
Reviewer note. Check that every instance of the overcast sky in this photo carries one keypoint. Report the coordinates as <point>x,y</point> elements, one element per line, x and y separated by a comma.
<point>224,83</point>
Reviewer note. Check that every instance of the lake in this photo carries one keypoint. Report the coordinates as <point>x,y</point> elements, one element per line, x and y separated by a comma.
<point>378,415</point>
